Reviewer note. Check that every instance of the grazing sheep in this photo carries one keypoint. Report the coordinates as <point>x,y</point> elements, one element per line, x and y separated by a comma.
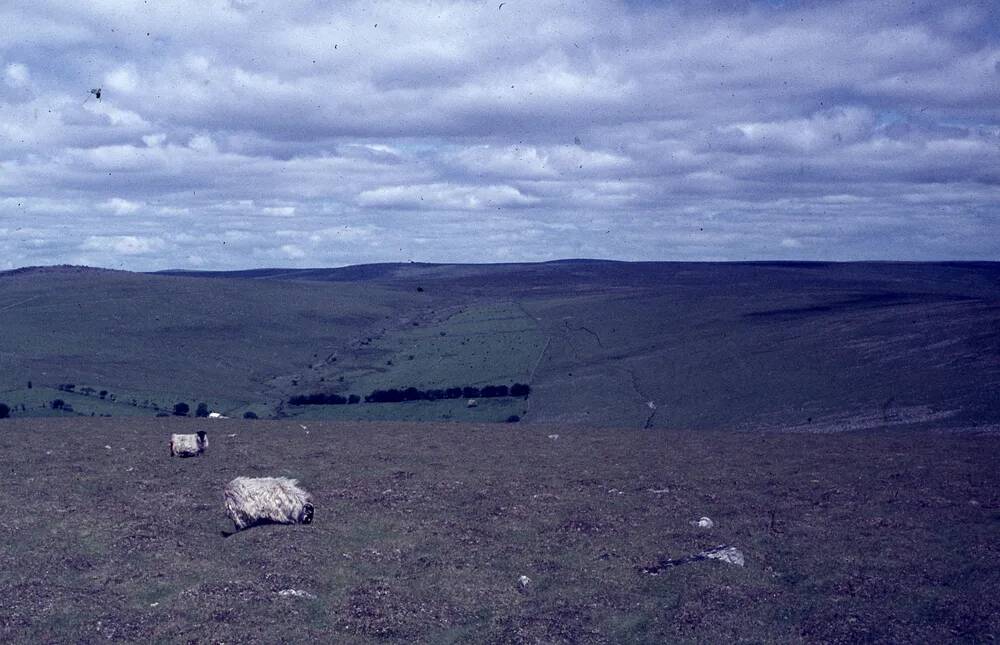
<point>267,500</point>
<point>188,445</point>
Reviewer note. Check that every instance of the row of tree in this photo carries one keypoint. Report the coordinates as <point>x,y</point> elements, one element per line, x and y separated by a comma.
<point>397,395</point>
<point>320,398</point>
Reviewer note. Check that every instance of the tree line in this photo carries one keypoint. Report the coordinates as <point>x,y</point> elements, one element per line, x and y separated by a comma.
<point>399,395</point>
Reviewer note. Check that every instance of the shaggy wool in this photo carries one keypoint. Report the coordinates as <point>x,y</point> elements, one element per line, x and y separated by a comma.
<point>188,445</point>
<point>264,500</point>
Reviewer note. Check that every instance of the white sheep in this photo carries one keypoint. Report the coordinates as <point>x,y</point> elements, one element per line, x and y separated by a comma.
<point>267,500</point>
<point>188,445</point>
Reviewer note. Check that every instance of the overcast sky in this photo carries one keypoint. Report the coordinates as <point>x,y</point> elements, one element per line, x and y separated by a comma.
<point>249,133</point>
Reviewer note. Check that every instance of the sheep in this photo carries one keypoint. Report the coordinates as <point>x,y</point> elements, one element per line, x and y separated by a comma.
<point>188,445</point>
<point>267,500</point>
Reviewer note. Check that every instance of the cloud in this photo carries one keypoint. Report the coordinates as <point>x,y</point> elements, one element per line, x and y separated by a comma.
<point>120,206</point>
<point>292,251</point>
<point>444,196</point>
<point>122,79</point>
<point>122,244</point>
<point>622,129</point>
<point>16,75</point>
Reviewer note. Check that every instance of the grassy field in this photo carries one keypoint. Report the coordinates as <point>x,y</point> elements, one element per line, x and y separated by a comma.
<point>203,338</point>
<point>811,347</point>
<point>423,531</point>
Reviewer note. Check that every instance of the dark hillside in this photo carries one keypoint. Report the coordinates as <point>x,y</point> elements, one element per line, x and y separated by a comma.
<point>813,347</point>
<point>159,338</point>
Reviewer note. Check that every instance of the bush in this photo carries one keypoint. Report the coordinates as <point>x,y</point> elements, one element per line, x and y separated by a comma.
<point>181,409</point>
<point>520,389</point>
<point>513,418</point>
<point>4,411</point>
<point>202,410</point>
<point>354,398</point>
<point>162,414</point>
<point>317,399</point>
<point>57,404</point>
<point>386,396</point>
<point>249,414</point>
<point>394,395</point>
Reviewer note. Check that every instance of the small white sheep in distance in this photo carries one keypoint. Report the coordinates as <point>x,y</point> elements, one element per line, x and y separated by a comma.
<point>267,500</point>
<point>188,445</point>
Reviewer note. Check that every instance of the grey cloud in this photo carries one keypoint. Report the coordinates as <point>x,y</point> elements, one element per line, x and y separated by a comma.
<point>303,134</point>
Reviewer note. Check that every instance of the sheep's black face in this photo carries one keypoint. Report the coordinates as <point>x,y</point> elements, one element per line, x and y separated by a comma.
<point>307,514</point>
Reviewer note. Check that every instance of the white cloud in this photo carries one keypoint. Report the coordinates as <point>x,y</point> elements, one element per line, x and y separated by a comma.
<point>444,196</point>
<point>123,79</point>
<point>619,128</point>
<point>280,211</point>
<point>826,129</point>
<point>537,161</point>
<point>120,206</point>
<point>123,244</point>
<point>17,75</point>
<point>292,251</point>
<point>202,143</point>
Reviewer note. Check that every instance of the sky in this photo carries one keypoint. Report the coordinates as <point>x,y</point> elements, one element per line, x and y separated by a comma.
<point>235,134</point>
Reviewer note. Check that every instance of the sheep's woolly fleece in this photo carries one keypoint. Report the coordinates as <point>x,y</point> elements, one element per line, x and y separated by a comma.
<point>188,445</point>
<point>251,501</point>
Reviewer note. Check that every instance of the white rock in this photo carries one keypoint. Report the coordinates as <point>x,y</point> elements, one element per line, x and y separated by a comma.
<point>703,523</point>
<point>553,436</point>
<point>729,554</point>
<point>524,581</point>
<point>296,593</point>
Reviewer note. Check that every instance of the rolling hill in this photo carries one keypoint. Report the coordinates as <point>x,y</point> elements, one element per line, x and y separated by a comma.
<point>811,347</point>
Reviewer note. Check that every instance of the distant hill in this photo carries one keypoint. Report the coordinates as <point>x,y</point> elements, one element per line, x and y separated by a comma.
<point>812,347</point>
